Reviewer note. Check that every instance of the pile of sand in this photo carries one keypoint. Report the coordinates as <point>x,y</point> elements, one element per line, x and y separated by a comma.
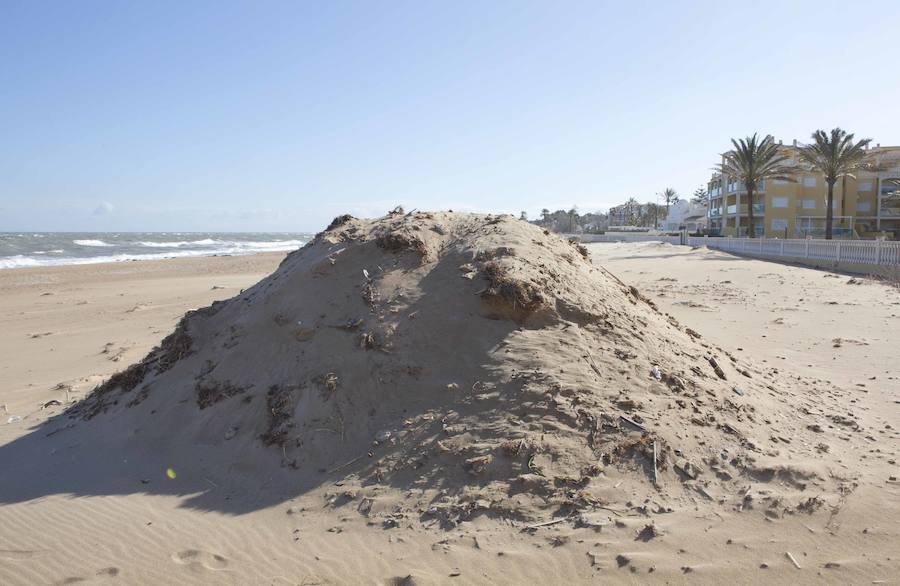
<point>479,365</point>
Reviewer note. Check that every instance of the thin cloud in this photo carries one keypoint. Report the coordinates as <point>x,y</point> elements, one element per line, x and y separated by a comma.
<point>103,209</point>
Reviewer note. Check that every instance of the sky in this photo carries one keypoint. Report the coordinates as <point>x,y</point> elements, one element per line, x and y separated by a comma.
<point>278,116</point>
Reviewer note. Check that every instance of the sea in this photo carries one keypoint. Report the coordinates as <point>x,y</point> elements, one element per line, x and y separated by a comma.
<point>42,249</point>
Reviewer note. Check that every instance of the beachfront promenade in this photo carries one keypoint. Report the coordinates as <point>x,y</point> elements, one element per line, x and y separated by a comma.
<point>855,255</point>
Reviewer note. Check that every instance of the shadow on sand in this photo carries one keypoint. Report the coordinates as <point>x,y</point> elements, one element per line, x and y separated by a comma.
<point>129,451</point>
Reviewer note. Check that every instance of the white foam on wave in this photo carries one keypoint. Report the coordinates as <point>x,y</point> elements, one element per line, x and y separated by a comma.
<point>248,244</point>
<point>91,243</point>
<point>235,249</point>
<point>274,245</point>
<point>18,261</point>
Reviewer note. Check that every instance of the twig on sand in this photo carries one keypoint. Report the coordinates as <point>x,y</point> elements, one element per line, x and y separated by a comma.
<point>744,498</point>
<point>344,465</point>
<point>593,365</point>
<point>602,268</point>
<point>546,523</point>
<point>791,557</point>
<point>611,510</point>
<point>655,480</point>
<point>634,423</point>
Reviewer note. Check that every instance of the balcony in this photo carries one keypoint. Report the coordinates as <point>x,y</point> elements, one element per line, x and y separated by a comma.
<point>736,186</point>
<point>715,212</point>
<point>759,209</point>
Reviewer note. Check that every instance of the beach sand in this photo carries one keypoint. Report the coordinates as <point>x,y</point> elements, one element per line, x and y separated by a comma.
<point>66,329</point>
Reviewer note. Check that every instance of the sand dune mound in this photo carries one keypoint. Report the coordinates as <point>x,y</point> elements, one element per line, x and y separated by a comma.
<point>478,363</point>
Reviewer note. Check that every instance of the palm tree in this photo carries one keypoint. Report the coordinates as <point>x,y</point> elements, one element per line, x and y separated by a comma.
<point>573,218</point>
<point>631,209</point>
<point>752,161</point>
<point>670,196</point>
<point>836,156</point>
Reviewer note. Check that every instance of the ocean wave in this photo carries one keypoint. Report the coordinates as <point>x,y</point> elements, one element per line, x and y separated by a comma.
<point>236,249</point>
<point>18,261</point>
<point>92,243</point>
<point>250,244</point>
<point>179,244</point>
<point>273,245</point>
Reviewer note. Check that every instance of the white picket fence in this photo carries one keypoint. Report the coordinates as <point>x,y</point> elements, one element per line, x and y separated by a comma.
<point>865,252</point>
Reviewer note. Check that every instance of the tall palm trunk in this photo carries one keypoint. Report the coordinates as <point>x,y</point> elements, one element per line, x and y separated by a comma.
<point>751,224</point>
<point>829,211</point>
<point>843,195</point>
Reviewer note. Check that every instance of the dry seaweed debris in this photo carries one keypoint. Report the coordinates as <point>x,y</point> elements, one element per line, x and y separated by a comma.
<point>210,392</point>
<point>280,407</point>
<point>329,383</point>
<point>339,221</point>
<point>398,240</point>
<point>581,248</point>
<point>522,297</point>
<point>174,347</point>
<point>126,380</point>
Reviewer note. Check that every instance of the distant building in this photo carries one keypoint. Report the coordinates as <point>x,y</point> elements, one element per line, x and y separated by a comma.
<point>685,215</point>
<point>622,215</point>
<point>863,207</point>
<point>634,214</point>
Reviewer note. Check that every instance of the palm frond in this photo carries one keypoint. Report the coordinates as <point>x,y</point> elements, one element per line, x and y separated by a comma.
<point>836,155</point>
<point>753,160</point>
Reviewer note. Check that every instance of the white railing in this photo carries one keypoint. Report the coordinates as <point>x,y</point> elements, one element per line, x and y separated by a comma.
<point>866,252</point>
<point>870,252</point>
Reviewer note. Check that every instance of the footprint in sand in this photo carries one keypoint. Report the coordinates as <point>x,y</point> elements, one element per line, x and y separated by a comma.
<point>196,557</point>
<point>110,572</point>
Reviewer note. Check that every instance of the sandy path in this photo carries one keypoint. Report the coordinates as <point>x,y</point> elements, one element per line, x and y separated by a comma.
<point>801,319</point>
<point>138,534</point>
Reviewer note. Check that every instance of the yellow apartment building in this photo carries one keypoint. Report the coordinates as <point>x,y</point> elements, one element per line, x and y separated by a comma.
<point>865,207</point>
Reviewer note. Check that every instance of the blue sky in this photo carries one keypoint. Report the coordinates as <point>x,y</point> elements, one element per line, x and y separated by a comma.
<point>281,115</point>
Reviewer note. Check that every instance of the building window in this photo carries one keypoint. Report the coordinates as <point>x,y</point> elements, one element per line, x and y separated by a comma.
<point>809,204</point>
<point>864,186</point>
<point>809,182</point>
<point>864,206</point>
<point>779,202</point>
<point>779,224</point>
